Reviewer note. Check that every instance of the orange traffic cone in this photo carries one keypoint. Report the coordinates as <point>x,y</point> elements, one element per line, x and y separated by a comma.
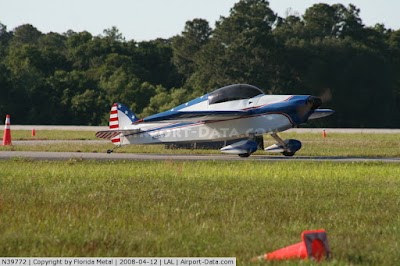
<point>314,245</point>
<point>7,132</point>
<point>324,133</point>
<point>33,132</point>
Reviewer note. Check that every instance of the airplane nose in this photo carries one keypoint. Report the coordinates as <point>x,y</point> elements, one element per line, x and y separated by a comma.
<point>305,108</point>
<point>314,102</point>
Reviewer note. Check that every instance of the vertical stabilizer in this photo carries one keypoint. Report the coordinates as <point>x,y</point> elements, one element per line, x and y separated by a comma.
<point>121,117</point>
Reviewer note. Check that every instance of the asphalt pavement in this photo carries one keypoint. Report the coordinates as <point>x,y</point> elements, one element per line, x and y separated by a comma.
<point>51,156</point>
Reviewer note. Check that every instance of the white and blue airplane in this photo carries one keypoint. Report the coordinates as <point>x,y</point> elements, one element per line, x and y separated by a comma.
<point>233,112</point>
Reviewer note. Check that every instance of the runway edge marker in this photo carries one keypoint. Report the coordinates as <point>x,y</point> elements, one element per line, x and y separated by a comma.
<point>314,246</point>
<point>7,132</point>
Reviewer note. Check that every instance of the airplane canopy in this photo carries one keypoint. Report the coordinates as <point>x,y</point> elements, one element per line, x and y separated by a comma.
<point>233,92</point>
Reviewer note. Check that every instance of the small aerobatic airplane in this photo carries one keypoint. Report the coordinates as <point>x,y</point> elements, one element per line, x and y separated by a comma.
<point>232,112</point>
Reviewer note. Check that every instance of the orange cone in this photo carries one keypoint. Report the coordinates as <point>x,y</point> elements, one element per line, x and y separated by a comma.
<point>7,132</point>
<point>324,133</point>
<point>33,132</point>
<point>314,246</point>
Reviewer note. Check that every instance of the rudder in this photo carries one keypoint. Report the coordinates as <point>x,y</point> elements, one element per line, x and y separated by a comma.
<point>121,117</point>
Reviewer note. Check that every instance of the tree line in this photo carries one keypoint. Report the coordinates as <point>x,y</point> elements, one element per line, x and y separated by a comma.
<point>73,78</point>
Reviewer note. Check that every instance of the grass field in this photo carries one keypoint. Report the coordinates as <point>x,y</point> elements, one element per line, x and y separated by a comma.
<point>336,144</point>
<point>239,209</point>
<point>53,134</point>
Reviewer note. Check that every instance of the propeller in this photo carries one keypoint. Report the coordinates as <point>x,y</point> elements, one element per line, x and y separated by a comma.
<point>313,103</point>
<point>326,95</point>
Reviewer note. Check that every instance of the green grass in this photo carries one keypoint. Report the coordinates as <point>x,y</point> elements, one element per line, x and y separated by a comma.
<point>336,144</point>
<point>340,144</point>
<point>239,209</point>
<point>52,135</point>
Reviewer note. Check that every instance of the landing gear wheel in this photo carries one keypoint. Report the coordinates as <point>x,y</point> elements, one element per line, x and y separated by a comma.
<point>288,153</point>
<point>244,155</point>
<point>112,150</point>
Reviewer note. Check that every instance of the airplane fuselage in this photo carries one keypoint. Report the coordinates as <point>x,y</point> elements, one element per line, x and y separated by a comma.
<point>231,112</point>
<point>270,121</point>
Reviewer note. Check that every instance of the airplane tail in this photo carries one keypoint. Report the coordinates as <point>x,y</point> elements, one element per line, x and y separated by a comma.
<point>121,117</point>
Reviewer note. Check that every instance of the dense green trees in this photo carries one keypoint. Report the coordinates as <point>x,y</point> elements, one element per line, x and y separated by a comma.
<point>73,78</point>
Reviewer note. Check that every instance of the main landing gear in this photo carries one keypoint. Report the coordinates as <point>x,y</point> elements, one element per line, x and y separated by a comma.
<point>287,147</point>
<point>245,148</point>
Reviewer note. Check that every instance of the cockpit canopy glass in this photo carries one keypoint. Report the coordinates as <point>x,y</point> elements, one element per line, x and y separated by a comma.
<point>233,92</point>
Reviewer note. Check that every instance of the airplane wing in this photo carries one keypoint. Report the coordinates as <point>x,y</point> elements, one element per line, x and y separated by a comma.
<point>109,134</point>
<point>194,116</point>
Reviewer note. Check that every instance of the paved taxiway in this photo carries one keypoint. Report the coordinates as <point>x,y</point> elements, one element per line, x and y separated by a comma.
<point>4,155</point>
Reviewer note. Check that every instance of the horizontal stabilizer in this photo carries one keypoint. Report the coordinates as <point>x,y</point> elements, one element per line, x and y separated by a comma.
<point>109,134</point>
